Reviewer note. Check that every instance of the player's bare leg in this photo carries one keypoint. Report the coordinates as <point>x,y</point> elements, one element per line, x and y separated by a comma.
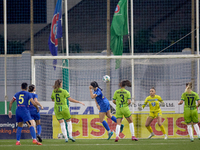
<point>147,124</point>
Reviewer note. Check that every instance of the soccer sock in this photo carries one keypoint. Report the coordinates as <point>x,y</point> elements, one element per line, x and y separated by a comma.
<point>39,129</point>
<point>132,129</point>
<point>67,129</point>
<point>105,124</point>
<point>196,127</point>
<point>117,130</point>
<point>189,128</point>
<point>162,129</point>
<point>113,118</point>
<point>149,129</point>
<point>69,125</point>
<point>32,130</point>
<point>63,129</point>
<point>18,135</point>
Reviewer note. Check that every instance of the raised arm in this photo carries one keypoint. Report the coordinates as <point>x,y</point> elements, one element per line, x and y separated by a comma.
<point>91,93</point>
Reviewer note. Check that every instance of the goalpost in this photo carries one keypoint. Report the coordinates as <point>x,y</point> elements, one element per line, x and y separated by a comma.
<point>167,73</point>
<point>46,60</point>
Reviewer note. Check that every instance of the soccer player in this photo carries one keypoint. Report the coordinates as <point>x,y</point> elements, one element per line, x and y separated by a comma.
<point>190,110</point>
<point>22,113</point>
<point>154,102</point>
<point>103,105</point>
<point>35,115</point>
<point>61,109</point>
<point>122,98</point>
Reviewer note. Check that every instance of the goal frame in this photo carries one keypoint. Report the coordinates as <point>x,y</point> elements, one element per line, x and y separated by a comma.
<point>132,57</point>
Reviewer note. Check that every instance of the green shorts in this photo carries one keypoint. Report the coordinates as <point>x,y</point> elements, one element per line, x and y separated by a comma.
<point>123,111</point>
<point>190,115</point>
<point>62,113</point>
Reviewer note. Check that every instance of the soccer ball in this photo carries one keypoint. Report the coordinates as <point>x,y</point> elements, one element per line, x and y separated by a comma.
<point>106,78</point>
<point>61,136</point>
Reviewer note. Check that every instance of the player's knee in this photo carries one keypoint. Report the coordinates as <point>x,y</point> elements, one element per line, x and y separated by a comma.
<point>159,124</point>
<point>109,116</point>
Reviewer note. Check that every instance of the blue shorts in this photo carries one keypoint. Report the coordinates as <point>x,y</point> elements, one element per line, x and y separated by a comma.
<point>22,115</point>
<point>104,107</point>
<point>34,114</point>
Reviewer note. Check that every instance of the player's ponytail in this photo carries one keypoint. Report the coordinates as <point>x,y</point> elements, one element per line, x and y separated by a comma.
<point>125,83</point>
<point>57,84</point>
<point>188,87</point>
<point>94,84</point>
<point>31,88</point>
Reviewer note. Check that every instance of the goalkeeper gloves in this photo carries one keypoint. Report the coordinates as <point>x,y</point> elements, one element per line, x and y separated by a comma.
<point>139,108</point>
<point>162,104</point>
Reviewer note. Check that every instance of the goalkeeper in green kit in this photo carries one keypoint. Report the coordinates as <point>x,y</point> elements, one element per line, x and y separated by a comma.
<point>61,108</point>
<point>189,97</point>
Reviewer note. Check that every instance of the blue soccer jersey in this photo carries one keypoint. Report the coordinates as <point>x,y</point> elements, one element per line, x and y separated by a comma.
<point>102,101</point>
<point>33,111</point>
<point>31,107</point>
<point>22,113</point>
<point>22,98</point>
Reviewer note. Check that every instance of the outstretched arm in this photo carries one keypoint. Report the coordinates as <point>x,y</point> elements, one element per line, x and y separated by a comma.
<point>75,101</point>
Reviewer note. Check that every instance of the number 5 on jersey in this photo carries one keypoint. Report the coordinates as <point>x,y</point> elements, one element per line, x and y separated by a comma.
<point>21,99</point>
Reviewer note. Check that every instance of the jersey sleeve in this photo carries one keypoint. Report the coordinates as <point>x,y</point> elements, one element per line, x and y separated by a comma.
<point>66,94</point>
<point>160,99</point>
<point>97,92</point>
<point>183,97</point>
<point>115,96</point>
<point>36,96</point>
<point>14,97</point>
<point>29,96</point>
<point>145,102</point>
<point>129,95</point>
<point>52,95</point>
<point>197,97</point>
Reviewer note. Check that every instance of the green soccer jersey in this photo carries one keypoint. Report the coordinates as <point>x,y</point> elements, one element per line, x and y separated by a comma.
<point>60,99</point>
<point>121,97</point>
<point>190,99</point>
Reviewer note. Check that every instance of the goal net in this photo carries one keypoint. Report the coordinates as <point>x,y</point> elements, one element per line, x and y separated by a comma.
<point>167,73</point>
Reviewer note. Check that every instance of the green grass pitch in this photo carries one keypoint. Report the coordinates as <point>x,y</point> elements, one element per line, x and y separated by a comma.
<point>103,144</point>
